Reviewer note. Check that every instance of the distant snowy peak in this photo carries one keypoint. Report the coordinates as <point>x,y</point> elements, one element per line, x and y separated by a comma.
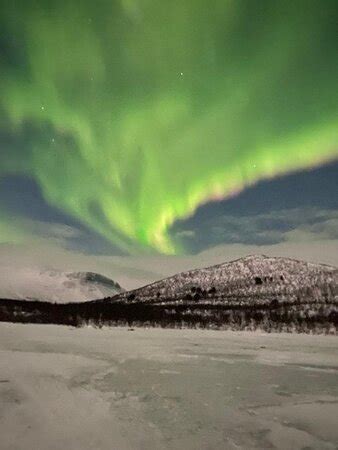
<point>55,286</point>
<point>94,279</point>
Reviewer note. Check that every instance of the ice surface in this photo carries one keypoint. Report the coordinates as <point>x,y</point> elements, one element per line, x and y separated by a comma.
<point>117,389</point>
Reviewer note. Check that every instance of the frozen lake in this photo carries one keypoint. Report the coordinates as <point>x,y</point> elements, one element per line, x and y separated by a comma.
<point>114,389</point>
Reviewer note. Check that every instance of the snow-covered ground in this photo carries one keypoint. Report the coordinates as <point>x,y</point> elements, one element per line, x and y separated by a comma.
<point>114,389</point>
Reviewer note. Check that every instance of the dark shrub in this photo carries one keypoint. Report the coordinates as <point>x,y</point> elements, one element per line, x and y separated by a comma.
<point>196,297</point>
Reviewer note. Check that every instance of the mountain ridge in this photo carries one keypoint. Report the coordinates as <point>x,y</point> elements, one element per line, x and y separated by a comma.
<point>257,291</point>
<point>247,260</point>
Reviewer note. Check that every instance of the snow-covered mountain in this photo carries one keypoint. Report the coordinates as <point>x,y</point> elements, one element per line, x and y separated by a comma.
<point>55,286</point>
<point>255,278</point>
<point>274,294</point>
<point>279,294</point>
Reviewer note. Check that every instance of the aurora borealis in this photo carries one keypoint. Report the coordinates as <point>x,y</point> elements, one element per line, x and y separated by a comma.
<point>129,114</point>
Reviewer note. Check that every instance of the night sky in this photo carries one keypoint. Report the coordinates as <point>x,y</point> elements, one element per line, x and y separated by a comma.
<point>143,126</point>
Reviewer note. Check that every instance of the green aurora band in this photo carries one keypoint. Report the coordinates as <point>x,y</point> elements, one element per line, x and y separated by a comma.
<point>129,114</point>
